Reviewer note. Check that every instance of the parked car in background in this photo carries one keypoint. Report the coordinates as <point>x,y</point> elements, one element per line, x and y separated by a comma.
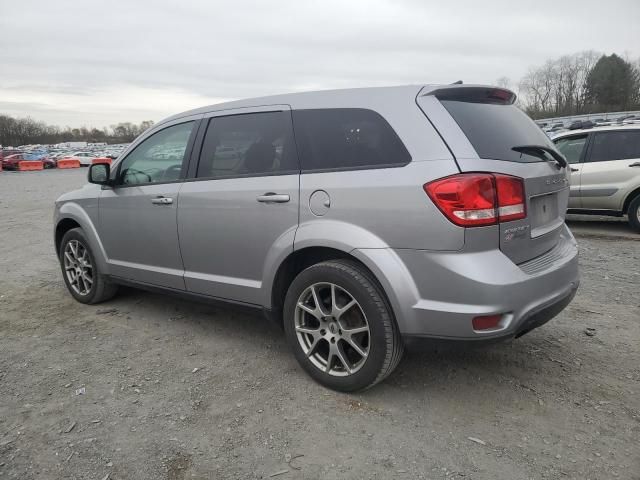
<point>605,165</point>
<point>10,162</point>
<point>395,214</point>
<point>4,153</point>
<point>47,162</point>
<point>85,158</point>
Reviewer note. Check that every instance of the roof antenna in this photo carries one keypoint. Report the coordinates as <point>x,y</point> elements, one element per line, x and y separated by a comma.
<point>459,82</point>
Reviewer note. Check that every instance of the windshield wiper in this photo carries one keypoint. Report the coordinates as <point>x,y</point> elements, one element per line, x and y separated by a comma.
<point>539,151</point>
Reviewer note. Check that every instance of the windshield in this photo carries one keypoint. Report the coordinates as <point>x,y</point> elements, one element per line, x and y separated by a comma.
<point>494,130</point>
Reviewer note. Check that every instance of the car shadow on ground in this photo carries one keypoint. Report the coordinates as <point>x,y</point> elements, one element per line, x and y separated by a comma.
<point>599,226</point>
<point>425,368</point>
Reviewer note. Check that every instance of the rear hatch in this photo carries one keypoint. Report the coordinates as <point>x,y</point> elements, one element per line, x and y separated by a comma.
<point>486,132</point>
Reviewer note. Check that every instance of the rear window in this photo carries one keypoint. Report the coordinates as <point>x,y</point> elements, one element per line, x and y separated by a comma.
<point>494,129</point>
<point>346,138</point>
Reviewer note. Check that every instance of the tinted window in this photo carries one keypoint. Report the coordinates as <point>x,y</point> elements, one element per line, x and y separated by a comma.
<point>248,145</point>
<point>495,129</point>
<point>158,158</point>
<point>572,147</point>
<point>346,138</point>
<point>618,145</point>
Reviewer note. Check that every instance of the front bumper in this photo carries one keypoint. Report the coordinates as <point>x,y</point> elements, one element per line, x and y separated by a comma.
<point>455,287</point>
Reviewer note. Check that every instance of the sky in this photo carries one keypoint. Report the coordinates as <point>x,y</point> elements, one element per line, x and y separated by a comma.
<point>97,63</point>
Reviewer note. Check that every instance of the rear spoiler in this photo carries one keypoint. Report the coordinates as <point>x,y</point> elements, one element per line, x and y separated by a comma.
<point>471,94</point>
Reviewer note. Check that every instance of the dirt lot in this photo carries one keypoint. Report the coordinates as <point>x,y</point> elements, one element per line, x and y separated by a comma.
<point>177,390</point>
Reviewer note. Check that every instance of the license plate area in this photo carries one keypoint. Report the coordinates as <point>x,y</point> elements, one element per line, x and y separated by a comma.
<point>544,214</point>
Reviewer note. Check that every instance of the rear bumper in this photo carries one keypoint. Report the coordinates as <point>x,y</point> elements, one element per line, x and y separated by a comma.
<point>449,289</point>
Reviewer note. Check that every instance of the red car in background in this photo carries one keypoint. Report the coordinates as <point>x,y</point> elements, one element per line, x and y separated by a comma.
<point>5,153</point>
<point>11,162</point>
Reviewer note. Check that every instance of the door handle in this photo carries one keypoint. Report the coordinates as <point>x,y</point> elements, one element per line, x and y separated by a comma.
<point>575,169</point>
<point>271,197</point>
<point>637,164</point>
<point>162,201</point>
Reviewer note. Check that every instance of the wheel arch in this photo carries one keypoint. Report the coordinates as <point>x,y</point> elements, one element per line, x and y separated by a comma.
<point>72,215</point>
<point>375,262</point>
<point>63,226</point>
<point>627,201</point>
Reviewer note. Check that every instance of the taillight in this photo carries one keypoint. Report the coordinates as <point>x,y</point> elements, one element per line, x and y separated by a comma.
<point>511,200</point>
<point>478,199</point>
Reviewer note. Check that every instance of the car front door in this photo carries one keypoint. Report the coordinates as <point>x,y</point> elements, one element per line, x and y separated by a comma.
<point>138,214</point>
<point>574,148</point>
<point>238,214</point>
<point>611,169</point>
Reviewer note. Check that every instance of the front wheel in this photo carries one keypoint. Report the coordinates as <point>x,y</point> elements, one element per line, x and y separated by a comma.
<point>634,213</point>
<point>81,274</point>
<point>340,326</point>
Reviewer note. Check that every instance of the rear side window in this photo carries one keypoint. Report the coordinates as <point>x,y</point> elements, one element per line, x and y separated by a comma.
<point>494,129</point>
<point>250,144</point>
<point>346,138</point>
<point>619,145</point>
<point>572,147</point>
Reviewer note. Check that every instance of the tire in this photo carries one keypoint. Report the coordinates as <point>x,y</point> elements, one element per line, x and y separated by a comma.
<point>321,339</point>
<point>634,213</point>
<point>100,289</point>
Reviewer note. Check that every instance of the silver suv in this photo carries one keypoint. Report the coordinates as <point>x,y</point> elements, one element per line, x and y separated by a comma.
<point>605,162</point>
<point>357,219</point>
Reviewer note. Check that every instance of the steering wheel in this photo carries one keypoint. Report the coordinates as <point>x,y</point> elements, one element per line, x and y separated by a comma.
<point>133,171</point>
<point>172,172</point>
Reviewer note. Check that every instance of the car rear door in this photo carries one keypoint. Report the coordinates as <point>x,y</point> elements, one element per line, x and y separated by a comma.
<point>137,224</point>
<point>574,148</point>
<point>482,127</point>
<point>611,169</point>
<point>238,212</point>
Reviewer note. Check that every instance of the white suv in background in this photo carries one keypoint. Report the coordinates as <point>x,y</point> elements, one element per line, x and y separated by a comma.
<point>605,166</point>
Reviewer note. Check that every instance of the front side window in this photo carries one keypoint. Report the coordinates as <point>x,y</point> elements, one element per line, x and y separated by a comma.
<point>615,145</point>
<point>572,147</point>
<point>157,159</point>
<point>250,144</point>
<point>346,138</point>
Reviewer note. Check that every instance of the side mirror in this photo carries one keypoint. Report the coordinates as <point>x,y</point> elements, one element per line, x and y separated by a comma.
<point>99,173</point>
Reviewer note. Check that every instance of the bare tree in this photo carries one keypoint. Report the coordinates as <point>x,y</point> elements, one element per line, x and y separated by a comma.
<point>503,82</point>
<point>559,87</point>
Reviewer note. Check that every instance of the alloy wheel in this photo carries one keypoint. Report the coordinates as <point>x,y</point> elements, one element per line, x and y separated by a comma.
<point>332,329</point>
<point>77,267</point>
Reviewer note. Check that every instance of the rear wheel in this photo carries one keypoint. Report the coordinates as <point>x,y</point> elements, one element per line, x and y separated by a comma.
<point>80,272</point>
<point>634,213</point>
<point>340,326</point>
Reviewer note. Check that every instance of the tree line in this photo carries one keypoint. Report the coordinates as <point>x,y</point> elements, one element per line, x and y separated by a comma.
<point>584,82</point>
<point>26,131</point>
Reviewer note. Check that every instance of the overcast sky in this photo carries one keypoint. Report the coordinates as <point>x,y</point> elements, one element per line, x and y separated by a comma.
<point>96,63</point>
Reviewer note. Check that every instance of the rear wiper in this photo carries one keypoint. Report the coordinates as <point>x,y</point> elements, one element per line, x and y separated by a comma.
<point>539,151</point>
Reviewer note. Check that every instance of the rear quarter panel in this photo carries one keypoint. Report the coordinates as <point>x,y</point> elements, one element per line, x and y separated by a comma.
<point>379,208</point>
<point>386,207</point>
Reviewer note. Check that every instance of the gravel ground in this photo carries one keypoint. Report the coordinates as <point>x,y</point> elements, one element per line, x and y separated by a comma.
<point>151,387</point>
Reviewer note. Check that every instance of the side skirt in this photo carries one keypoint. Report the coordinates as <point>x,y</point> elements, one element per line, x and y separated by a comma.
<point>587,211</point>
<point>248,308</point>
